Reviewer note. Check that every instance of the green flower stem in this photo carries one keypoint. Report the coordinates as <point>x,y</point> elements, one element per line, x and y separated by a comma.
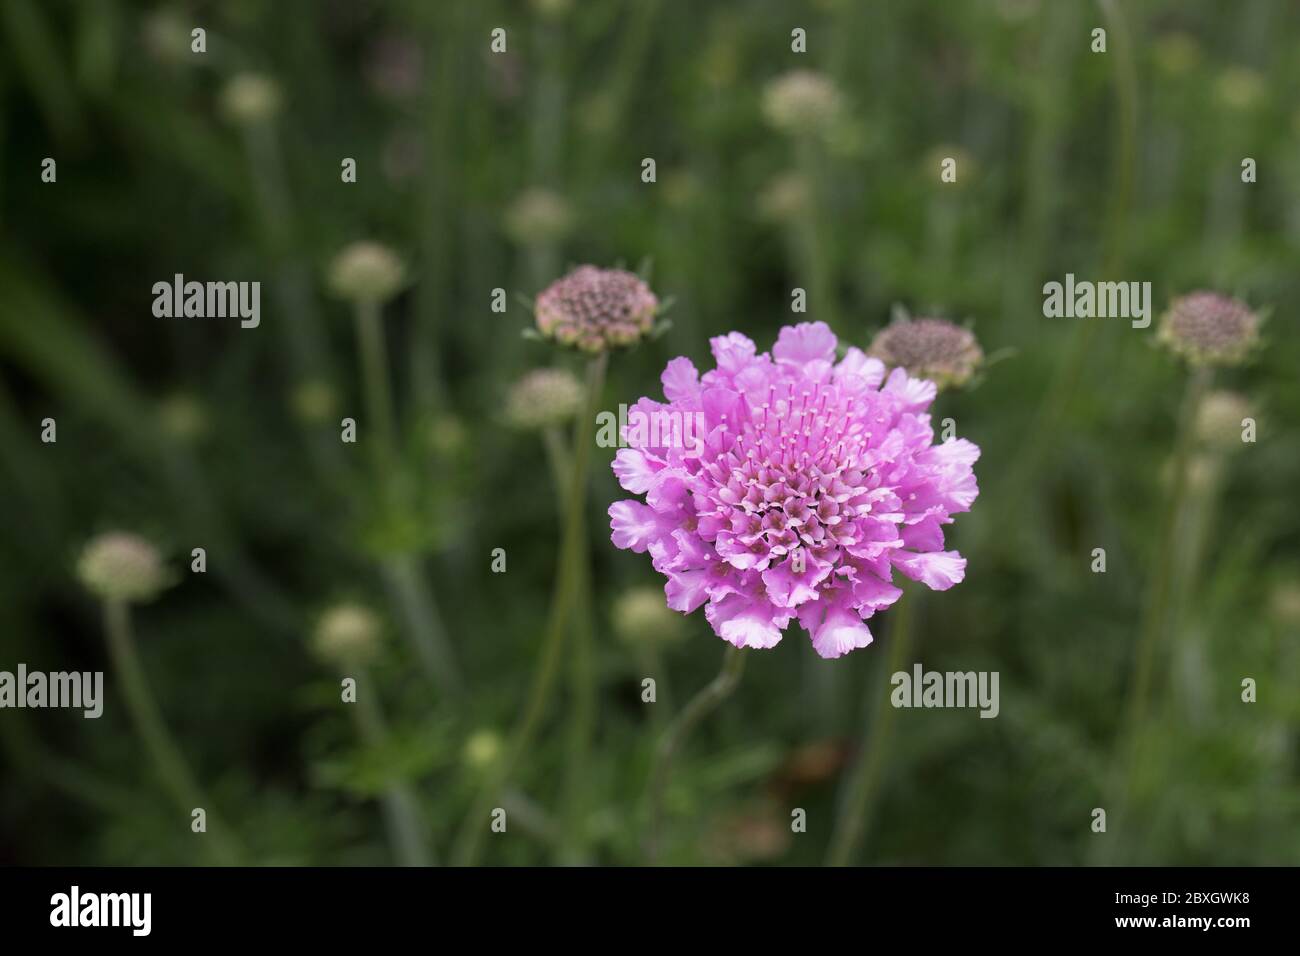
<point>564,600</point>
<point>859,797</point>
<point>374,379</point>
<point>699,707</point>
<point>167,757</point>
<point>530,817</point>
<point>401,807</point>
<point>406,580</point>
<point>813,236</point>
<point>275,215</point>
<point>613,103</point>
<point>557,459</point>
<point>434,209</point>
<point>1156,618</point>
<point>942,225</point>
<point>424,627</point>
<point>26,756</point>
<point>650,660</point>
<point>1045,425</point>
<point>1158,611</point>
<point>582,719</point>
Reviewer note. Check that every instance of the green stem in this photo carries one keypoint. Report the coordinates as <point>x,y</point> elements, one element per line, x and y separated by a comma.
<point>424,625</point>
<point>577,559</point>
<point>1155,620</point>
<point>167,757</point>
<point>814,238</point>
<point>858,800</point>
<point>699,707</point>
<point>651,662</point>
<point>406,833</point>
<point>413,597</point>
<point>557,459</point>
<point>1046,423</point>
<point>470,840</point>
<point>374,378</point>
<point>1156,617</point>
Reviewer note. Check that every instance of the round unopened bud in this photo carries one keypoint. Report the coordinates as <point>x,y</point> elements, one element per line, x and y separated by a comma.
<point>482,749</point>
<point>366,272</point>
<point>119,566</point>
<point>347,634</point>
<point>641,616</point>
<point>1207,328</point>
<point>250,98</point>
<point>802,101</point>
<point>538,216</point>
<point>1219,419</point>
<point>595,310</point>
<point>542,398</point>
<point>937,349</point>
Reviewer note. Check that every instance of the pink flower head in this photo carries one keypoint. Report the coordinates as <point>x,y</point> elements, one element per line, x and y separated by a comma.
<point>814,481</point>
<point>596,309</point>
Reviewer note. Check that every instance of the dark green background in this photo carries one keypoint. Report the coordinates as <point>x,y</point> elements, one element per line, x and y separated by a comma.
<point>152,180</point>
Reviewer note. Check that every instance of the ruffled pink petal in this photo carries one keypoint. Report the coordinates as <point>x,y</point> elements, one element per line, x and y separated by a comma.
<point>858,370</point>
<point>687,590</point>
<point>804,343</point>
<point>836,630</point>
<point>938,570</point>
<point>681,382</point>
<point>787,588</point>
<point>925,535</point>
<point>744,622</point>
<point>874,594</point>
<point>634,525</point>
<point>634,470</point>
<point>916,393</point>
<point>732,352</point>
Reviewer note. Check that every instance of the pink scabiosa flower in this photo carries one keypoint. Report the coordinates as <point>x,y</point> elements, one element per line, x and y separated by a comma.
<point>814,480</point>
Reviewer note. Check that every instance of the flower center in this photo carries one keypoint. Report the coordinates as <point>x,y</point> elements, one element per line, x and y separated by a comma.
<point>789,478</point>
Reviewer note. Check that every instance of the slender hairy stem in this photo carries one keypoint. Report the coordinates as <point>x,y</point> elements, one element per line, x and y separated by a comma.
<point>572,551</point>
<point>859,797</point>
<point>167,757</point>
<point>406,833</point>
<point>699,707</point>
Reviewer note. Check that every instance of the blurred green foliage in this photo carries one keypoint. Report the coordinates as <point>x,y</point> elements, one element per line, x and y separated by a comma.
<point>197,433</point>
